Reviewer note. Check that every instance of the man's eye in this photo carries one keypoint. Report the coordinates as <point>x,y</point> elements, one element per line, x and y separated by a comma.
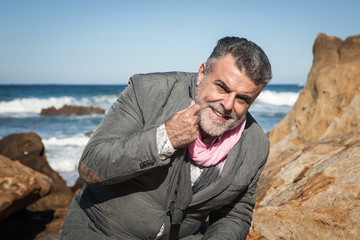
<point>220,88</point>
<point>241,100</point>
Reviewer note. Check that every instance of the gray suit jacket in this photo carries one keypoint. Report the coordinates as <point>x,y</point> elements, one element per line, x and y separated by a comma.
<point>130,190</point>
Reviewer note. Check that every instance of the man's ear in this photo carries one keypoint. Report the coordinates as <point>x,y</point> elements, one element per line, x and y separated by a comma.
<point>201,73</point>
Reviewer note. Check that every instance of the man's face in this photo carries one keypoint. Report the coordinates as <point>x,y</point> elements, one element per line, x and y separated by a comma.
<point>225,94</point>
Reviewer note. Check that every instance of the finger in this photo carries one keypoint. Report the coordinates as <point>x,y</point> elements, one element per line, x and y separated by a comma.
<point>193,108</point>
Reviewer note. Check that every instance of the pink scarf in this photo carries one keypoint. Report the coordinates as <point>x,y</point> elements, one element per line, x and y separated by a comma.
<point>203,156</point>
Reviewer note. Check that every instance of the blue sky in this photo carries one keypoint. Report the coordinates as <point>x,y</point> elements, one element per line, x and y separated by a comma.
<point>105,42</point>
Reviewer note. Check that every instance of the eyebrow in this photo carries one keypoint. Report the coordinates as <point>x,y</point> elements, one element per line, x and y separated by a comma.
<point>247,98</point>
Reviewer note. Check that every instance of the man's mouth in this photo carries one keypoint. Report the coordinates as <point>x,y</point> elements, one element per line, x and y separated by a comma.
<point>220,114</point>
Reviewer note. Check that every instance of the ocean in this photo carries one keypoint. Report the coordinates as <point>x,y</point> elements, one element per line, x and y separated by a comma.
<point>64,136</point>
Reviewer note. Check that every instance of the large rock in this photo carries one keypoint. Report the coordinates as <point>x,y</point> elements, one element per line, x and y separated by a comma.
<point>19,186</point>
<point>29,150</point>
<point>329,101</point>
<point>310,188</point>
<point>72,110</point>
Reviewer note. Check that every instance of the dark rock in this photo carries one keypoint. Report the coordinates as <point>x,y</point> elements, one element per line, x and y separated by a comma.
<point>29,225</point>
<point>72,110</point>
<point>88,134</point>
<point>55,235</point>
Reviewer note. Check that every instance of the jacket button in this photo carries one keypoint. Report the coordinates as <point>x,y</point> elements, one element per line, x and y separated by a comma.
<point>147,163</point>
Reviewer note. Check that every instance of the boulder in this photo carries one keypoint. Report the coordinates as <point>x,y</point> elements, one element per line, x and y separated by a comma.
<point>328,103</point>
<point>310,187</point>
<point>19,186</point>
<point>72,110</point>
<point>29,150</point>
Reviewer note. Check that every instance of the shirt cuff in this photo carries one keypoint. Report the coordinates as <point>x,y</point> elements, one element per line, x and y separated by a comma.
<point>165,149</point>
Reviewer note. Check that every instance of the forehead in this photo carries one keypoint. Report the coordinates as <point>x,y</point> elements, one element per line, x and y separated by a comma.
<point>225,70</point>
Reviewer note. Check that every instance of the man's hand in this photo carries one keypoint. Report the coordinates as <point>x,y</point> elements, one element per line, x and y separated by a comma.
<point>182,127</point>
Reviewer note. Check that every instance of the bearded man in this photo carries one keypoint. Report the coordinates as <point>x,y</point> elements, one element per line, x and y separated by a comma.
<point>178,155</point>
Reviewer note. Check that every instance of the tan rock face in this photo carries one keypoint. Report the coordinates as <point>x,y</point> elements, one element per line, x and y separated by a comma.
<point>20,186</point>
<point>310,188</point>
<point>329,102</point>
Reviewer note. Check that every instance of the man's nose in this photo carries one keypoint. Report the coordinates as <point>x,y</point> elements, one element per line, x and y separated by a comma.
<point>229,101</point>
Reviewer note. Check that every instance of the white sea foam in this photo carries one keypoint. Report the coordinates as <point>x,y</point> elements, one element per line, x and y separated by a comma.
<point>63,154</point>
<point>104,101</point>
<point>77,140</point>
<point>65,164</point>
<point>278,98</point>
<point>34,105</point>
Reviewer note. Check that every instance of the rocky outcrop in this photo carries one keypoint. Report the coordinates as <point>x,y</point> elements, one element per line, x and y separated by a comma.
<point>310,188</point>
<point>328,104</point>
<point>72,110</point>
<point>29,150</point>
<point>42,216</point>
<point>19,186</point>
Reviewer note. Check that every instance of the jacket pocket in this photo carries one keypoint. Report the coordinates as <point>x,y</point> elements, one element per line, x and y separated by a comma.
<point>97,214</point>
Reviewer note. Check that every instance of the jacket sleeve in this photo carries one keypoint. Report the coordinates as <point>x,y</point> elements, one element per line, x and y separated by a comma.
<point>233,221</point>
<point>121,147</point>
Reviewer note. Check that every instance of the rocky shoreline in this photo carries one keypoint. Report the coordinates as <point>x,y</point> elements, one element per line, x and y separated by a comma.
<point>310,188</point>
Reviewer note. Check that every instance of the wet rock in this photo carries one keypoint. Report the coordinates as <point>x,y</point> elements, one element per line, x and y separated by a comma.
<point>72,110</point>
<point>88,134</point>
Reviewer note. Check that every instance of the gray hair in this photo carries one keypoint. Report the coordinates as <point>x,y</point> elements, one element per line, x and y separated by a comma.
<point>249,58</point>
